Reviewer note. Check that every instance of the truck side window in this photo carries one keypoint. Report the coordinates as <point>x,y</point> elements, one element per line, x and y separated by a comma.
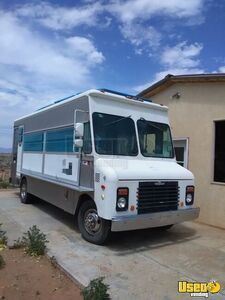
<point>87,146</point>
<point>33,142</point>
<point>59,140</point>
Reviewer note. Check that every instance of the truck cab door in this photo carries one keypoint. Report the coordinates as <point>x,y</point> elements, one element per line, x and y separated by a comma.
<point>82,148</point>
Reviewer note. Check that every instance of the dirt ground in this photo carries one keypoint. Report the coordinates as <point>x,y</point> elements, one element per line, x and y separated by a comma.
<point>28,278</point>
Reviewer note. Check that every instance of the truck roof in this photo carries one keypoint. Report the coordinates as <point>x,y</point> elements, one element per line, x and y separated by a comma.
<point>99,92</point>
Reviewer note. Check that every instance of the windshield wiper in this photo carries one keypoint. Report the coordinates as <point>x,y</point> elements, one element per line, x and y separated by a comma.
<point>121,119</point>
<point>142,119</point>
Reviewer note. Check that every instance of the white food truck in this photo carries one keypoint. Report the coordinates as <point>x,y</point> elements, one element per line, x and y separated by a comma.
<point>108,159</point>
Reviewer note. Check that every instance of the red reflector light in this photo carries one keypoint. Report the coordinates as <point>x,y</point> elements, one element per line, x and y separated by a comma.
<point>122,192</point>
<point>190,189</point>
<point>132,207</point>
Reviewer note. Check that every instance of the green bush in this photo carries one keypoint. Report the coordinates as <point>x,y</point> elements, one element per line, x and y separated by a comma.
<point>2,262</point>
<point>4,184</point>
<point>34,241</point>
<point>96,290</point>
<point>3,237</point>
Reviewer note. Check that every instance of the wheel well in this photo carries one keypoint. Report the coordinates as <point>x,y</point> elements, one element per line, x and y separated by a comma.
<point>82,198</point>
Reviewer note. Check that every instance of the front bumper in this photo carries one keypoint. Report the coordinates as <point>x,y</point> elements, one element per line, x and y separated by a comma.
<point>124,223</point>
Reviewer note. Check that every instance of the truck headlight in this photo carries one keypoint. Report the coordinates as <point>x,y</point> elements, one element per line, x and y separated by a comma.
<point>189,198</point>
<point>189,195</point>
<point>121,203</point>
<point>122,199</point>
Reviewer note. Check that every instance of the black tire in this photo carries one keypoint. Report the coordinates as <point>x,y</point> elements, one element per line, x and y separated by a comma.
<point>166,227</point>
<point>25,197</point>
<point>93,228</point>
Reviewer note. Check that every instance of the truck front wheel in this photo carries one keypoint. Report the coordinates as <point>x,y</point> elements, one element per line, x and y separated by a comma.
<point>93,228</point>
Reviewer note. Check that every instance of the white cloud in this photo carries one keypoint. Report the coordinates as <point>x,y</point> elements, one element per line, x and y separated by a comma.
<point>55,58</point>
<point>134,14</point>
<point>131,15</point>
<point>37,69</point>
<point>128,11</point>
<point>61,17</point>
<point>222,69</point>
<point>181,55</point>
<point>177,60</point>
<point>84,48</point>
<point>65,17</point>
<point>141,36</point>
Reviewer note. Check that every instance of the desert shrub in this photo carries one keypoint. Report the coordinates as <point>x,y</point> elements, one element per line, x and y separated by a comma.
<point>3,237</point>
<point>34,241</point>
<point>96,290</point>
<point>4,184</point>
<point>2,262</point>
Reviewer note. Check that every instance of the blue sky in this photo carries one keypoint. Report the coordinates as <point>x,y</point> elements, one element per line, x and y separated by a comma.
<point>52,49</point>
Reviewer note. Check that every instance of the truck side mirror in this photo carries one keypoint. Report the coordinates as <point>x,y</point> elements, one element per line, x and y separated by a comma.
<point>79,130</point>
<point>78,143</point>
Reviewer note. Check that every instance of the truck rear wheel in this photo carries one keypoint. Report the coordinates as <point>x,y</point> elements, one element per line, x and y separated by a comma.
<point>93,228</point>
<point>25,197</point>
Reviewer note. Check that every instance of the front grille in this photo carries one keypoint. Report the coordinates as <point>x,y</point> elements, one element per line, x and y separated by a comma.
<point>157,196</point>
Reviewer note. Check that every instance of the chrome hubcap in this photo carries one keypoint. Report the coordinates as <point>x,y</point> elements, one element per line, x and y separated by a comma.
<point>92,222</point>
<point>23,191</point>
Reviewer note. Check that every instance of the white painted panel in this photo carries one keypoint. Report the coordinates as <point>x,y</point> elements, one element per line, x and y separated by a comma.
<point>147,111</point>
<point>58,165</point>
<point>32,162</point>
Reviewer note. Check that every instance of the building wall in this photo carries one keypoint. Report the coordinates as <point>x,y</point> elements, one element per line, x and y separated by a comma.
<point>193,116</point>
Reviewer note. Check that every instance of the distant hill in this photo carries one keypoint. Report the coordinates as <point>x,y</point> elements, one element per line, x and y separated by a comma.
<point>5,150</point>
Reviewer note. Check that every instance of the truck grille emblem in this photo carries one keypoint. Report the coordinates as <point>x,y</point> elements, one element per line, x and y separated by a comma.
<point>159,183</point>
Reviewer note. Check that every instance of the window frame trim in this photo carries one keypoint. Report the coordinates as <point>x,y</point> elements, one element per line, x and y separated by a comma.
<point>89,153</point>
<point>186,139</point>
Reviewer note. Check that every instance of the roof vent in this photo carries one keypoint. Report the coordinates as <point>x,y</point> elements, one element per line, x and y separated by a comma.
<point>169,75</point>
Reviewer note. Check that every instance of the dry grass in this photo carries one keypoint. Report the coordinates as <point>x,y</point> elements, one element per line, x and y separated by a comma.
<point>5,169</point>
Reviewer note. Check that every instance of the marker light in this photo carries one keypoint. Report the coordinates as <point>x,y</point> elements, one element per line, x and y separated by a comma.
<point>132,207</point>
<point>122,192</point>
